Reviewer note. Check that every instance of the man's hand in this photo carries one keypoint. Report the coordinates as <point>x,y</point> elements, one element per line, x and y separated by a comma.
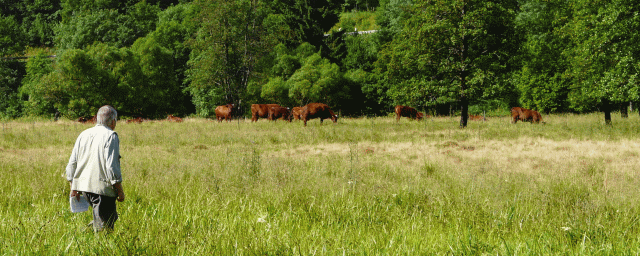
<point>120,196</point>
<point>76,194</point>
<point>119,191</point>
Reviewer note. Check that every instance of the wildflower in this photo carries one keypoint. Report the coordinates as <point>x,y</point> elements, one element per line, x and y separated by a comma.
<point>263,218</point>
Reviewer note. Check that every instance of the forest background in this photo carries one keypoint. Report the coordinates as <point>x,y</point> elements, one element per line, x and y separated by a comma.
<point>450,57</point>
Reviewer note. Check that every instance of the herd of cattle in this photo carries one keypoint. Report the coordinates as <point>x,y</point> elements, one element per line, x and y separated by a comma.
<point>273,112</point>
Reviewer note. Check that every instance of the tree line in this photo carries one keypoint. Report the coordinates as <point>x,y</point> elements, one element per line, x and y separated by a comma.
<point>158,57</point>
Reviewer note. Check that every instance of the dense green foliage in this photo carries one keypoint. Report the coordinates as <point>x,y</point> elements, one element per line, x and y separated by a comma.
<point>233,37</point>
<point>604,60</point>
<point>442,57</point>
<point>11,75</point>
<point>540,78</point>
<point>459,56</point>
<point>36,20</point>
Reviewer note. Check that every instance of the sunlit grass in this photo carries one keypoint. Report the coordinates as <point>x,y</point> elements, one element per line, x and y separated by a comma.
<point>362,186</point>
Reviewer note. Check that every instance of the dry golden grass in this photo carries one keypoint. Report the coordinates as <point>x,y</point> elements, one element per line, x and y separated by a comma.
<point>528,155</point>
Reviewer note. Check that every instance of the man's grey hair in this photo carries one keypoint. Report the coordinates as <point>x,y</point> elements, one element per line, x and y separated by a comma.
<point>106,114</point>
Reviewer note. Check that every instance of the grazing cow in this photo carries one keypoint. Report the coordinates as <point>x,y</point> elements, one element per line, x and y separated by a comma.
<point>296,112</point>
<point>85,120</point>
<point>525,115</point>
<point>279,112</point>
<point>317,110</point>
<point>224,112</point>
<point>409,112</point>
<point>477,118</point>
<point>260,110</point>
<point>172,118</point>
<point>137,120</point>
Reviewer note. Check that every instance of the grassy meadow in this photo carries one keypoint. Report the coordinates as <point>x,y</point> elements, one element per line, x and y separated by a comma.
<point>365,186</point>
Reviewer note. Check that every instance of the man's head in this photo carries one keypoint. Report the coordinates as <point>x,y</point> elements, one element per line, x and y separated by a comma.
<point>107,116</point>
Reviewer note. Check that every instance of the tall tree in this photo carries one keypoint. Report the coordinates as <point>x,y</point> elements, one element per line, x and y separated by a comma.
<point>450,50</point>
<point>604,54</point>
<point>308,20</point>
<point>318,80</point>
<point>286,63</point>
<point>176,25</point>
<point>11,71</point>
<point>137,81</point>
<point>232,39</point>
<point>36,19</point>
<point>116,23</point>
<point>540,80</point>
<point>12,40</point>
<point>160,92</point>
<point>11,75</point>
<point>391,17</point>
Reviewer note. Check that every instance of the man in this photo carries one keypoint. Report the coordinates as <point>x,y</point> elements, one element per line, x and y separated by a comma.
<point>94,169</point>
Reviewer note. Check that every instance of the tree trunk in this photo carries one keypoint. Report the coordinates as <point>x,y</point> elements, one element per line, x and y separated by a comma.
<point>607,117</point>
<point>464,109</point>
<point>624,113</point>
<point>607,112</point>
<point>464,116</point>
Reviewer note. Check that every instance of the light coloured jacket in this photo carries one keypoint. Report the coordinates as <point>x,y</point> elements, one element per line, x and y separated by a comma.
<point>94,165</point>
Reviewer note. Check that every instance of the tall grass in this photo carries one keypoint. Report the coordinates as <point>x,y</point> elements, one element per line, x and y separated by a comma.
<point>362,186</point>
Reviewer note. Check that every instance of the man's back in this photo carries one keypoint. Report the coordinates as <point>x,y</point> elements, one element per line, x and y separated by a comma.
<point>94,165</point>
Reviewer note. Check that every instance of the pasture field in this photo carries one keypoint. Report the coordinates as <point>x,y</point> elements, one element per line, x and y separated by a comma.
<point>365,186</point>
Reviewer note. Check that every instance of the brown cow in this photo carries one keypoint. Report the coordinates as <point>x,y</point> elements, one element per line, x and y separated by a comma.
<point>525,115</point>
<point>137,120</point>
<point>260,110</point>
<point>296,112</point>
<point>477,118</point>
<point>279,112</point>
<point>411,113</point>
<point>224,112</point>
<point>85,120</point>
<point>172,118</point>
<point>317,110</point>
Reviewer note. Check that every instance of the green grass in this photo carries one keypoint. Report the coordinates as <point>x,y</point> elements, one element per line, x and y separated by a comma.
<point>362,186</point>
